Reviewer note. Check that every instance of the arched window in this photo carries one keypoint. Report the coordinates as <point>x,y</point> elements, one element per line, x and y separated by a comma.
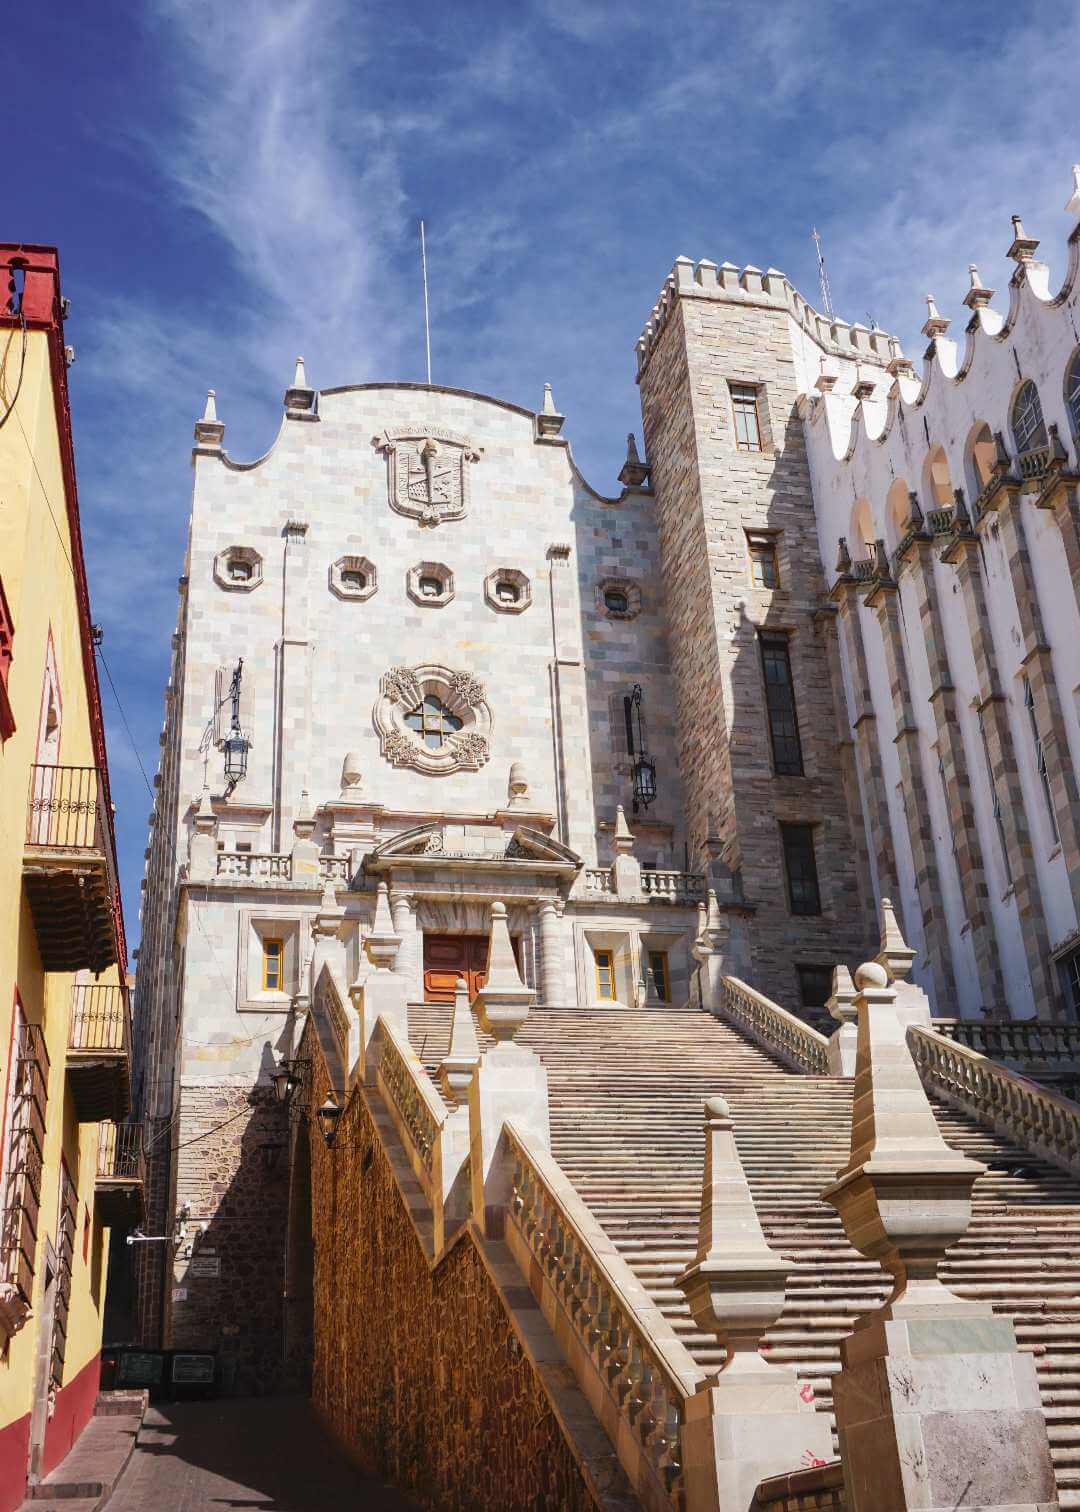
<point>1072,393</point>
<point>1029,428</point>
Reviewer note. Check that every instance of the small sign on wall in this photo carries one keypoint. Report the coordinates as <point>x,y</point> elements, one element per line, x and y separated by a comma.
<point>205,1266</point>
<point>179,1293</point>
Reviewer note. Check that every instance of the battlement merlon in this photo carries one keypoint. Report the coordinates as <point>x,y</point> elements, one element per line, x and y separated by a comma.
<point>725,283</point>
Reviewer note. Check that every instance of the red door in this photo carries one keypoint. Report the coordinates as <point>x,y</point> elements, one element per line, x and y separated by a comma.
<point>448,957</point>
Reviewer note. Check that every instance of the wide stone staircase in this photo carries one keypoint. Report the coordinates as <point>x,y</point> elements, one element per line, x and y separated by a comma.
<point>627,1089</point>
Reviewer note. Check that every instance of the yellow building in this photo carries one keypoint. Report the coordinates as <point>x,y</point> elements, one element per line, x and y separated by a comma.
<point>68,1166</point>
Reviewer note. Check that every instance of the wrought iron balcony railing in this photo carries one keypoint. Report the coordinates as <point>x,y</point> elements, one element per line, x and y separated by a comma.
<point>100,1019</point>
<point>69,868</point>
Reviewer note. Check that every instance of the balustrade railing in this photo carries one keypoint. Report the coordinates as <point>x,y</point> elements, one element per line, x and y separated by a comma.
<point>336,867</point>
<point>120,1152</point>
<point>1034,464</point>
<point>421,1110</point>
<point>1029,1114</point>
<point>940,521</point>
<point>100,1019</point>
<point>648,1373</point>
<point>255,865</point>
<point>599,879</point>
<point>1028,1041</point>
<point>863,570</point>
<point>775,1028</point>
<point>673,884</point>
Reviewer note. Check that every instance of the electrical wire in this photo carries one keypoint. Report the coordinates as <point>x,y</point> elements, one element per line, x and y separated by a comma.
<point>22,370</point>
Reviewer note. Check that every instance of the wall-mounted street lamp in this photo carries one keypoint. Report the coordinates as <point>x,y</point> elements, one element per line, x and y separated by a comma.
<point>236,743</point>
<point>329,1114</point>
<point>643,770</point>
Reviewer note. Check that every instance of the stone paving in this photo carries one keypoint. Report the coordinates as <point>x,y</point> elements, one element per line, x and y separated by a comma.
<point>265,1452</point>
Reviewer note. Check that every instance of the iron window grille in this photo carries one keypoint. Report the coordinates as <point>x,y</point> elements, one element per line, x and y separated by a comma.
<point>433,721</point>
<point>1029,428</point>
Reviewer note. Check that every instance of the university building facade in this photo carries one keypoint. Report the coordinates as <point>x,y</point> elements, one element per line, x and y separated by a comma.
<point>821,647</point>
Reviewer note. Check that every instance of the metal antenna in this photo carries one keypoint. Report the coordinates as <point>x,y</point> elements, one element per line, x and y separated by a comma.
<point>823,276</point>
<point>427,318</point>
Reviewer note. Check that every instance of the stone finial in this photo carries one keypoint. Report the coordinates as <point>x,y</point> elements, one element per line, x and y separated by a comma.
<point>622,839</point>
<point>899,365</point>
<point>326,926</point>
<point>735,1283</point>
<point>841,1004</point>
<point>904,1195</point>
<point>1002,459</point>
<point>549,422</point>
<point>916,520</point>
<point>517,786</point>
<point>503,1002</point>
<point>461,1059</point>
<point>304,821</point>
<point>383,942</point>
<point>935,325</point>
<point>1072,204</point>
<point>209,431</point>
<point>1058,455</point>
<point>961,518</point>
<point>1023,247</point>
<point>202,846</point>
<point>351,775</point>
<point>843,558</point>
<point>626,869</point>
<point>827,378</point>
<point>299,396</point>
<point>977,296</point>
<point>205,819</point>
<point>634,471</point>
<point>894,953</point>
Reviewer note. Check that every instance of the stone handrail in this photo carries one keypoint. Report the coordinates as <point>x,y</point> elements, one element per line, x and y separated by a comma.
<point>419,1107</point>
<point>1033,464</point>
<point>673,884</point>
<point>598,879</point>
<point>633,1349</point>
<point>337,867</point>
<point>799,1046</point>
<point>1030,1115</point>
<point>1023,1040</point>
<point>941,521</point>
<point>275,866</point>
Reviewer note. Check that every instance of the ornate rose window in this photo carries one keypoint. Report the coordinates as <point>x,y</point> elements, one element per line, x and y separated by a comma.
<point>433,719</point>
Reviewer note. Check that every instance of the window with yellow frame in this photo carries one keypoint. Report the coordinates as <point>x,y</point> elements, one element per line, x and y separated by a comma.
<point>273,965</point>
<point>657,978</point>
<point>604,961</point>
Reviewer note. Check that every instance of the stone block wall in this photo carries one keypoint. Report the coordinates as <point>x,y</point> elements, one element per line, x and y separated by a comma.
<point>709,494</point>
<point>418,1373</point>
<point>227,1283</point>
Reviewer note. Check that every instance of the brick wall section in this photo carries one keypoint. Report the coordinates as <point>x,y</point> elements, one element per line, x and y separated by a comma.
<point>707,495</point>
<point>418,1372</point>
<point>222,1173</point>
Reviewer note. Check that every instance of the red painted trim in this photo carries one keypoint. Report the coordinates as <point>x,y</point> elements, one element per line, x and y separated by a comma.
<point>74,1409</point>
<point>41,311</point>
<point>14,1454</point>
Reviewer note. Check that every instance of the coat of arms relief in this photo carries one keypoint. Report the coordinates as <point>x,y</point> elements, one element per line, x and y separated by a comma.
<point>427,472</point>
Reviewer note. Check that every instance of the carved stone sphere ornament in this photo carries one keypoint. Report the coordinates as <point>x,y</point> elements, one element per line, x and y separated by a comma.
<point>427,471</point>
<point>433,719</point>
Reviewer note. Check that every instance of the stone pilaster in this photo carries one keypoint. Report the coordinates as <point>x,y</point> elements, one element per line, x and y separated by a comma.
<point>1040,673</point>
<point>556,985</point>
<point>826,621</point>
<point>577,827</point>
<point>867,743</point>
<point>884,600</point>
<point>409,960</point>
<point>959,805</point>
<point>962,552</point>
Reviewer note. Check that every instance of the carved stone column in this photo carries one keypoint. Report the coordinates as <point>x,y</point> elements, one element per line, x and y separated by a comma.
<point>408,962</point>
<point>555,978</point>
<point>935,1407</point>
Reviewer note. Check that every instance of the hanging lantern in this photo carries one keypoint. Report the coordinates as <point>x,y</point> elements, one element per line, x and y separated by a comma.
<point>329,1114</point>
<point>643,770</point>
<point>236,743</point>
<point>644,774</point>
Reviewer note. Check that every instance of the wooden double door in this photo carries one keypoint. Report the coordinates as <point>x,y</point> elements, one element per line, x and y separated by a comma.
<point>448,957</point>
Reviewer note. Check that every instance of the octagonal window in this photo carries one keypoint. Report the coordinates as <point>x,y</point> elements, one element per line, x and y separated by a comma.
<point>353,577</point>
<point>239,568</point>
<point>430,584</point>
<point>508,590</point>
<point>618,598</point>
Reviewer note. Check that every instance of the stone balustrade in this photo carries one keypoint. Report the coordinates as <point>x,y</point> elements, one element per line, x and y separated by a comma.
<point>678,886</point>
<point>1029,1114</point>
<point>1033,465</point>
<point>940,521</point>
<point>618,1334</point>
<point>1023,1041</point>
<point>598,880</point>
<point>276,866</point>
<point>796,1044</point>
<point>421,1113</point>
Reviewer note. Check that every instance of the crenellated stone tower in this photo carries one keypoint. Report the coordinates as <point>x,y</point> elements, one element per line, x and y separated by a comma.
<point>772,797</point>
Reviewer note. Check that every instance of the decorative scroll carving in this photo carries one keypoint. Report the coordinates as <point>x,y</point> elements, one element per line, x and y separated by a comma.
<point>403,689</point>
<point>427,472</point>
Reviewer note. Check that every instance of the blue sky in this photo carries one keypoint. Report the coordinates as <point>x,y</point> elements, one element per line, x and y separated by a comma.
<point>230,184</point>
